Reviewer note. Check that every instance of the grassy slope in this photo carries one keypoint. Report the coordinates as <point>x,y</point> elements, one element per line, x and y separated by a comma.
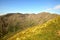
<point>11,23</point>
<point>48,31</point>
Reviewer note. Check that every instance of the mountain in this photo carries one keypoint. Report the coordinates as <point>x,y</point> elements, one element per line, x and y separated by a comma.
<point>49,30</point>
<point>13,22</point>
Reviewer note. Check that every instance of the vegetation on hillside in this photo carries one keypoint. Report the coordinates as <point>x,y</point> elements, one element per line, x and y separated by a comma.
<point>47,31</point>
<point>13,22</point>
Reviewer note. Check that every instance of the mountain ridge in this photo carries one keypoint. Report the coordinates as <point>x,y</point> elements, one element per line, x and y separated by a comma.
<point>27,34</point>
<point>22,21</point>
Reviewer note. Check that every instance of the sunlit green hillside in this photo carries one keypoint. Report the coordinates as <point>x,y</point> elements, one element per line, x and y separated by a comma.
<point>13,22</point>
<point>47,31</point>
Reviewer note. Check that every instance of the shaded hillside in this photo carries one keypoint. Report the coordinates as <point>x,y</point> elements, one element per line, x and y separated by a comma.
<point>47,31</point>
<point>13,22</point>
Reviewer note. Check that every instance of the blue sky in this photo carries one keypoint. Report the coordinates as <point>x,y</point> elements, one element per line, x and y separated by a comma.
<point>29,6</point>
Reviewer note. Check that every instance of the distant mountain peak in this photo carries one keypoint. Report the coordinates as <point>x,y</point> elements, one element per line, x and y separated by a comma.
<point>44,13</point>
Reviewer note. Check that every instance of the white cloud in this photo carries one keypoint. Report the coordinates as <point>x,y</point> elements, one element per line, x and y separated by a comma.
<point>49,9</point>
<point>57,7</point>
<point>2,14</point>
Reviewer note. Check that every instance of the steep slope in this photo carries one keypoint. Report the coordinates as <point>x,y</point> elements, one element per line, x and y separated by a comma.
<point>13,22</point>
<point>47,31</point>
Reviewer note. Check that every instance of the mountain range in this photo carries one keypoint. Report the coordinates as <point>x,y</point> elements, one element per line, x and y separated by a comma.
<point>18,26</point>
